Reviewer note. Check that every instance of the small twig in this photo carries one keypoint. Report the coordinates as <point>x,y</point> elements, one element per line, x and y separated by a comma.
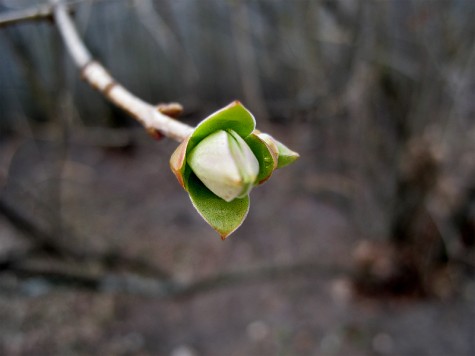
<point>246,58</point>
<point>166,38</point>
<point>45,242</point>
<point>259,273</point>
<point>41,12</point>
<point>153,120</point>
<point>133,284</point>
<point>42,240</point>
<point>128,275</point>
<point>58,278</point>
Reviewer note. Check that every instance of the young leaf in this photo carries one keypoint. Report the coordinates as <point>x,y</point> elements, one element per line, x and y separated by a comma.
<point>285,154</point>
<point>224,217</point>
<point>178,162</point>
<point>266,157</point>
<point>232,117</point>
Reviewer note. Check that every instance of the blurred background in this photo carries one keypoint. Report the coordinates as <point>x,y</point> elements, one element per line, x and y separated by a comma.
<point>365,246</point>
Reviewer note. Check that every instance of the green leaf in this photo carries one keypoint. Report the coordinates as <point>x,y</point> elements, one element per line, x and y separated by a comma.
<point>286,155</point>
<point>224,217</point>
<point>265,156</point>
<point>232,117</point>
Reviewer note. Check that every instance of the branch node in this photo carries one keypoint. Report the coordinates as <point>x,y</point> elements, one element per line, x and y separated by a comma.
<point>155,133</point>
<point>109,87</point>
<point>170,109</point>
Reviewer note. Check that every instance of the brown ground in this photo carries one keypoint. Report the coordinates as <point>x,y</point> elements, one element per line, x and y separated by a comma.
<point>293,255</point>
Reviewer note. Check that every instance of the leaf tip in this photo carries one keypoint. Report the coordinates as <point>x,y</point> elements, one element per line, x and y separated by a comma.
<point>177,161</point>
<point>223,236</point>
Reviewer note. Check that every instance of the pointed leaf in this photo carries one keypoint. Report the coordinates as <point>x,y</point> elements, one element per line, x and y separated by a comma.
<point>286,155</point>
<point>178,161</point>
<point>232,117</point>
<point>266,157</point>
<point>224,217</point>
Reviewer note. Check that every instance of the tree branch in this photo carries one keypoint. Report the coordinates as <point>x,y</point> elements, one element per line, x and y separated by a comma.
<point>41,12</point>
<point>150,286</point>
<point>155,119</point>
<point>69,267</point>
<point>50,245</point>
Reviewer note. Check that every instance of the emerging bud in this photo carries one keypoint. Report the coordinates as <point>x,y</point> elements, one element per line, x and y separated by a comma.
<point>225,164</point>
<point>220,162</point>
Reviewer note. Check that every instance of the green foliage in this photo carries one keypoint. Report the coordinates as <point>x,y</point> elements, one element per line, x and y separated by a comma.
<point>223,216</point>
<point>228,157</point>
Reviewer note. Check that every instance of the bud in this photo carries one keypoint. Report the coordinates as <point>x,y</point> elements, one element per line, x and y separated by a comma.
<point>225,164</point>
<point>228,156</point>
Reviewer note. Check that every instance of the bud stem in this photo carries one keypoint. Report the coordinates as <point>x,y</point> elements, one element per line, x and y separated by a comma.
<point>99,78</point>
